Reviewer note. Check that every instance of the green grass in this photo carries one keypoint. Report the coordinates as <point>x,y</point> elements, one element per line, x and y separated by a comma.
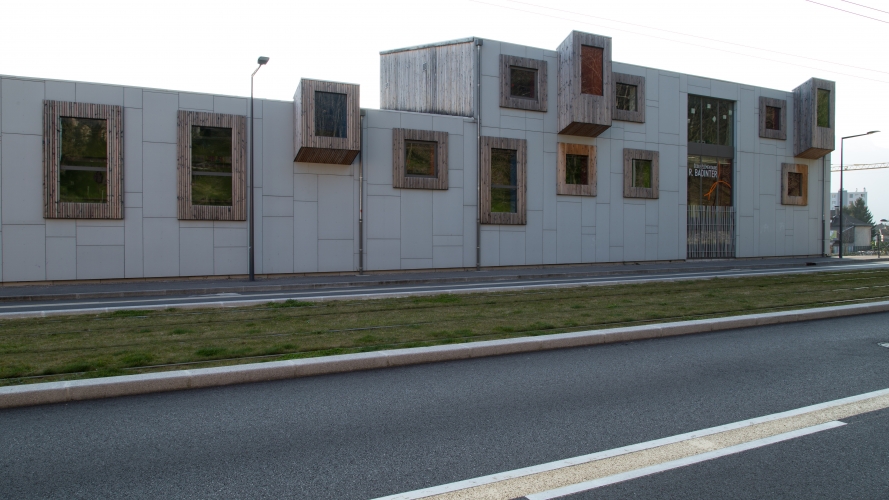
<point>127,342</point>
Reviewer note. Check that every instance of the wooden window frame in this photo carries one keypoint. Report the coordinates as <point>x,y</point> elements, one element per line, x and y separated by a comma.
<point>786,199</point>
<point>506,98</point>
<point>309,148</point>
<point>636,192</point>
<point>767,133</point>
<point>562,187</point>
<point>400,179</point>
<point>238,209</point>
<point>53,208</point>
<point>637,116</point>
<point>521,148</point>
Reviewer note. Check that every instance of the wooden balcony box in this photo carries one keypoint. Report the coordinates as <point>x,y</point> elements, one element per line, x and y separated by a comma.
<point>814,119</point>
<point>586,96</point>
<point>326,127</point>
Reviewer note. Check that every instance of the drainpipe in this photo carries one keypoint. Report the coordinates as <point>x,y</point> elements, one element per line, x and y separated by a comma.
<point>361,193</point>
<point>478,177</point>
<point>824,178</point>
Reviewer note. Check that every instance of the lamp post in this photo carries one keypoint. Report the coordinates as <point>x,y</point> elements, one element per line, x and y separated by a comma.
<point>250,222</point>
<point>840,195</point>
<point>880,236</point>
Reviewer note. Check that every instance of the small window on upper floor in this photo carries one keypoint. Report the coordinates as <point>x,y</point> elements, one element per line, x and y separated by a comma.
<point>773,118</point>
<point>83,167</point>
<point>641,174</point>
<point>591,73</point>
<point>419,158</point>
<point>211,166</point>
<point>794,184</point>
<point>626,97</point>
<point>823,108</point>
<point>522,82</point>
<point>331,118</point>
<point>710,121</point>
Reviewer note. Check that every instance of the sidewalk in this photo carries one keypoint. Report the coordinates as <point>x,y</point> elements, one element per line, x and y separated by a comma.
<point>208,286</point>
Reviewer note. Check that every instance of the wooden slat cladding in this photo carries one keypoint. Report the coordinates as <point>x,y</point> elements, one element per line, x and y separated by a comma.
<point>591,77</point>
<point>562,187</point>
<point>581,113</point>
<point>307,147</point>
<point>638,192</point>
<point>53,208</point>
<point>767,133</point>
<point>520,146</point>
<point>399,177</point>
<point>437,79</point>
<point>809,140</point>
<point>637,116</point>
<point>786,197</point>
<point>238,124</point>
<point>538,103</point>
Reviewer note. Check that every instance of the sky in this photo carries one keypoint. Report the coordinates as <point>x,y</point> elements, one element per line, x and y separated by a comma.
<point>212,46</point>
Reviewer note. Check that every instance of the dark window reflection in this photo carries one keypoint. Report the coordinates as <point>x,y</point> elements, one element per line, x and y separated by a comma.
<point>724,119</point>
<point>710,120</point>
<point>211,166</point>
<point>83,168</point>
<point>504,180</point>
<point>626,97</point>
<point>823,108</point>
<point>419,158</point>
<point>794,184</point>
<point>591,59</point>
<point>773,118</point>
<point>694,118</point>
<point>709,181</point>
<point>577,169</point>
<point>330,114</point>
<point>710,109</point>
<point>523,82</point>
<point>641,174</point>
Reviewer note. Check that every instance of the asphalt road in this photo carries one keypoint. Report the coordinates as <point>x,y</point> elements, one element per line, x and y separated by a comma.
<point>369,434</point>
<point>8,307</point>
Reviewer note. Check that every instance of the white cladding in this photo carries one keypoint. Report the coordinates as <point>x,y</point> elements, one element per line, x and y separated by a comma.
<point>307,214</point>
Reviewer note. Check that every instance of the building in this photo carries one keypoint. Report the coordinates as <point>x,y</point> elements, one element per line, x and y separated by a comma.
<point>856,234</point>
<point>849,197</point>
<point>577,159</point>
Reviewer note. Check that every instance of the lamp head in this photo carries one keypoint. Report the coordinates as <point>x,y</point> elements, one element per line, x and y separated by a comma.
<point>873,132</point>
<point>262,60</point>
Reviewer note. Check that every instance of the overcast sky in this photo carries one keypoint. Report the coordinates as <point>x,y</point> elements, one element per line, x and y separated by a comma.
<point>212,46</point>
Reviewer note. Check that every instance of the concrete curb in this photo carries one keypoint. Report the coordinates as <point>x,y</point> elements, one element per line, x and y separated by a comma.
<point>78,390</point>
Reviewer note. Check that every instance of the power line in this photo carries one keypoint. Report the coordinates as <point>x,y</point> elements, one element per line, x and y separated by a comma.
<point>859,166</point>
<point>847,11</point>
<point>866,7</point>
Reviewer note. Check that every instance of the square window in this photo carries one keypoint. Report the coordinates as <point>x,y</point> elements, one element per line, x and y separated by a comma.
<point>330,114</point>
<point>591,73</point>
<point>523,83</point>
<point>211,166</point>
<point>641,173</point>
<point>773,118</point>
<point>502,178</point>
<point>823,108</point>
<point>577,169</point>
<point>83,167</point>
<point>794,184</point>
<point>419,158</point>
<point>626,97</point>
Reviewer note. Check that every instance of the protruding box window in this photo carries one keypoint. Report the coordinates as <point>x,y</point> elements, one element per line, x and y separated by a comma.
<point>629,97</point>
<point>586,92</point>
<point>824,108</point>
<point>522,83</point>
<point>794,184</point>
<point>641,171</point>
<point>83,160</point>
<point>814,119</point>
<point>576,170</point>
<point>212,174</point>
<point>326,122</point>
<point>419,159</point>
<point>772,118</point>
<point>591,72</point>
<point>503,173</point>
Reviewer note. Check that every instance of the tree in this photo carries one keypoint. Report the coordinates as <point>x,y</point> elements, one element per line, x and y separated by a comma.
<point>860,211</point>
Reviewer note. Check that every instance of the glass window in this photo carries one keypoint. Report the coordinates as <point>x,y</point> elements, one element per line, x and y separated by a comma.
<point>626,97</point>
<point>523,82</point>
<point>709,181</point>
<point>773,118</point>
<point>211,166</point>
<point>823,108</point>
<point>641,173</point>
<point>709,110</point>
<point>591,59</point>
<point>794,184</point>
<point>577,169</point>
<point>694,118</point>
<point>419,158</point>
<point>725,120</point>
<point>83,168</point>
<point>330,114</point>
<point>504,180</point>
<point>710,121</point>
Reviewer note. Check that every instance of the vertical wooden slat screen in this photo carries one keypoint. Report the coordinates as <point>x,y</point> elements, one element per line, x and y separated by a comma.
<point>786,198</point>
<point>399,177</point>
<point>53,208</point>
<point>710,232</point>
<point>318,149</point>
<point>238,125</point>
<point>562,187</point>
<point>638,192</point>
<point>521,148</point>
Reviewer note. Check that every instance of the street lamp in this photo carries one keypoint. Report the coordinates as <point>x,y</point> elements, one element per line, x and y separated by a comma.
<point>840,195</point>
<point>250,223</point>
<point>880,236</point>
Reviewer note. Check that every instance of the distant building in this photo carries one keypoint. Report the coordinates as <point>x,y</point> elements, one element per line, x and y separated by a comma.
<point>856,233</point>
<point>849,197</point>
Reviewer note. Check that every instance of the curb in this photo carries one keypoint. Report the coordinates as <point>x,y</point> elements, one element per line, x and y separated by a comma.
<point>128,385</point>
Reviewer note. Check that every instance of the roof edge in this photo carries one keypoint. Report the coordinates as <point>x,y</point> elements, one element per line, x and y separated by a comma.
<point>428,45</point>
